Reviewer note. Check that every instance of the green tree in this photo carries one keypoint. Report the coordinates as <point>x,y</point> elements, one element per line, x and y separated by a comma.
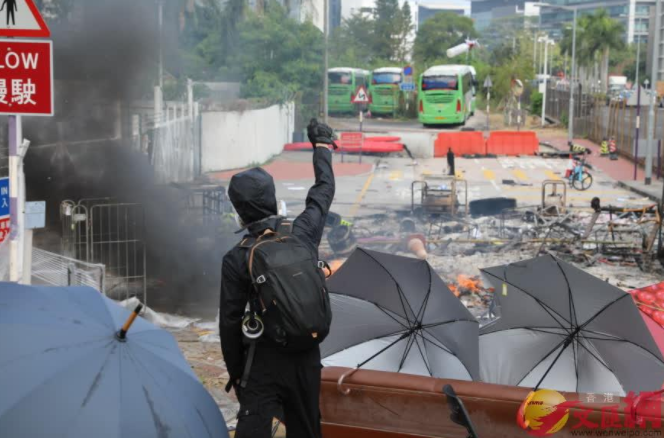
<point>279,58</point>
<point>439,33</point>
<point>597,34</point>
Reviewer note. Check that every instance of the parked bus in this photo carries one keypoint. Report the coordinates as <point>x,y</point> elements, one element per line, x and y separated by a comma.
<point>343,84</point>
<point>445,95</point>
<point>384,90</point>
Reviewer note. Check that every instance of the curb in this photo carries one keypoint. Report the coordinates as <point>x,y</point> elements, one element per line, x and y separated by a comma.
<point>639,191</point>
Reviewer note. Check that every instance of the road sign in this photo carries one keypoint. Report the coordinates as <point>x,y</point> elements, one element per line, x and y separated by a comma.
<point>487,82</point>
<point>4,208</point>
<point>408,79</point>
<point>26,77</point>
<point>21,18</point>
<point>4,197</point>
<point>408,70</point>
<point>361,96</point>
<point>405,86</point>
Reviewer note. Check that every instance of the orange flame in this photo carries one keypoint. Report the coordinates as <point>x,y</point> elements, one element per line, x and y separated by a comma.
<point>472,285</point>
<point>454,290</point>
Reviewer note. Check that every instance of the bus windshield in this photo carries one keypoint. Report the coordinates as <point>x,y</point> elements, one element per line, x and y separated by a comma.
<point>338,78</point>
<point>440,83</point>
<point>386,78</point>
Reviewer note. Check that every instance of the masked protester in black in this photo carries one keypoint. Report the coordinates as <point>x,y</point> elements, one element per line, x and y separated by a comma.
<point>281,384</point>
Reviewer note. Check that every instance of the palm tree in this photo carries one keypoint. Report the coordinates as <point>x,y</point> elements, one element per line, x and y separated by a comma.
<point>596,35</point>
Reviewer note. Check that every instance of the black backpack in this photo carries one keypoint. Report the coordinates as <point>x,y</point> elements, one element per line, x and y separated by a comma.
<point>289,292</point>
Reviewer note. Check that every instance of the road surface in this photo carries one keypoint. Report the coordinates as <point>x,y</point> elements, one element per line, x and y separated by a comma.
<point>477,122</point>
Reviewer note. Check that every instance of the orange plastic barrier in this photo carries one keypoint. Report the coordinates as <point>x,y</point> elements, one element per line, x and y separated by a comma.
<point>512,143</point>
<point>462,143</point>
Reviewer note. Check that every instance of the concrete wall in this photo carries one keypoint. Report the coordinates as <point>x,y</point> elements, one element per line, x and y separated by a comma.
<point>233,140</point>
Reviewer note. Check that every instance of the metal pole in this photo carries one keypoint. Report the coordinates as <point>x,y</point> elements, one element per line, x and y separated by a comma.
<point>325,56</point>
<point>570,123</point>
<point>638,53</point>
<point>638,125</point>
<point>488,103</point>
<point>535,54</point>
<point>15,235</point>
<point>161,51</point>
<point>546,58</point>
<point>653,81</point>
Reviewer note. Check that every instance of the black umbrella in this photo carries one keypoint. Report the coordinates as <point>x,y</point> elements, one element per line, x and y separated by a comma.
<point>394,313</point>
<point>562,328</point>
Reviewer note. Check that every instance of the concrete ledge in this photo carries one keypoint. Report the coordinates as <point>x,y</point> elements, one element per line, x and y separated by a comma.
<point>654,191</point>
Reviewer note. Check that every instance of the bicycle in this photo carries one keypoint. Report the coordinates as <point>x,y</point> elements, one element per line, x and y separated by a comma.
<point>579,178</point>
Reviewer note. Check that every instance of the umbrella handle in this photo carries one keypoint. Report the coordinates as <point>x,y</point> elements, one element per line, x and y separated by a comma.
<point>122,334</point>
<point>345,391</point>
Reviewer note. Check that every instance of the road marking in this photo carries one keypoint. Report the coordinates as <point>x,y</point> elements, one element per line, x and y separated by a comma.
<point>488,174</point>
<point>552,175</point>
<point>476,161</point>
<point>520,174</point>
<point>396,175</point>
<point>426,172</point>
<point>496,186</point>
<point>360,196</point>
<point>459,174</point>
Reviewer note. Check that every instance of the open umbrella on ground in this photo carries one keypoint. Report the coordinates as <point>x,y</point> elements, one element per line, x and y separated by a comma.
<point>393,313</point>
<point>564,329</point>
<point>67,369</point>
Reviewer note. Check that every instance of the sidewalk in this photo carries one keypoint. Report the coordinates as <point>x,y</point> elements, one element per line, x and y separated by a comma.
<point>621,170</point>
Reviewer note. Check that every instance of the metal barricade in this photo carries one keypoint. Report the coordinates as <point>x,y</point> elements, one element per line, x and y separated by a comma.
<point>57,270</point>
<point>117,239</point>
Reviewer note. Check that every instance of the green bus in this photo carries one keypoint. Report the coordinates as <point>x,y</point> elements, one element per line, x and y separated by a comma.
<point>445,95</point>
<point>384,90</point>
<point>343,84</point>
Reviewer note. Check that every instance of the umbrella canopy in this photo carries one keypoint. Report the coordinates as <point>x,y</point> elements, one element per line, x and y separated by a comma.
<point>64,373</point>
<point>563,329</point>
<point>394,313</point>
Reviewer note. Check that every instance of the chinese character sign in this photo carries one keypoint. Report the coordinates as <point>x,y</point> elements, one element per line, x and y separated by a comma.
<point>26,77</point>
<point>4,208</point>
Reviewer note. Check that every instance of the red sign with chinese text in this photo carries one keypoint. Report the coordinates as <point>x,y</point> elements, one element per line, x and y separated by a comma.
<point>26,77</point>
<point>4,228</point>
<point>351,140</point>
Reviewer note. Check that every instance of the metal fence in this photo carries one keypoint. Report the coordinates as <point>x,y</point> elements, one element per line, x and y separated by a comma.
<point>101,231</point>
<point>557,108</point>
<point>57,270</point>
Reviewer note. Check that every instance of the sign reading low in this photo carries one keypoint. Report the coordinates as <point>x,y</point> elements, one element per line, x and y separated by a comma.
<point>26,77</point>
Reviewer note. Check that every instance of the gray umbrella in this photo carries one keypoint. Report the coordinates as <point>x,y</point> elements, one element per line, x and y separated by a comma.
<point>394,313</point>
<point>561,328</point>
<point>64,373</point>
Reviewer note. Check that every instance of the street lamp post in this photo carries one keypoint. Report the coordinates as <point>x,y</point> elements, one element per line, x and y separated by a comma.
<point>653,81</point>
<point>546,41</point>
<point>570,121</point>
<point>326,62</point>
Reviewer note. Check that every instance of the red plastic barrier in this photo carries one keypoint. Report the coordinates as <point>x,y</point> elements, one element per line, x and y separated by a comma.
<point>462,143</point>
<point>370,146</point>
<point>512,143</point>
<point>383,139</point>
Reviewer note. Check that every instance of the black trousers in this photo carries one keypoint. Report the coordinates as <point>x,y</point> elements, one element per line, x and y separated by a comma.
<point>281,385</point>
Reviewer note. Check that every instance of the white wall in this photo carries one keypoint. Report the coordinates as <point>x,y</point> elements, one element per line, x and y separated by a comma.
<point>233,140</point>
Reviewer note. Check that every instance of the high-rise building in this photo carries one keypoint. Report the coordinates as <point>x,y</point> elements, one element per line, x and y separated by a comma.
<point>426,11</point>
<point>634,15</point>
<point>335,13</point>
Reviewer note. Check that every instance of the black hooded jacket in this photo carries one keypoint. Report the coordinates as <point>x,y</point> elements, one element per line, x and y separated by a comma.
<point>253,194</point>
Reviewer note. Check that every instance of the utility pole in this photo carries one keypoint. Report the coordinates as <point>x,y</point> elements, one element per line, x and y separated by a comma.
<point>653,81</point>
<point>325,56</point>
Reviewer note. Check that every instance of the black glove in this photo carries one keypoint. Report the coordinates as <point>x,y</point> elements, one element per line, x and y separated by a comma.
<point>320,133</point>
